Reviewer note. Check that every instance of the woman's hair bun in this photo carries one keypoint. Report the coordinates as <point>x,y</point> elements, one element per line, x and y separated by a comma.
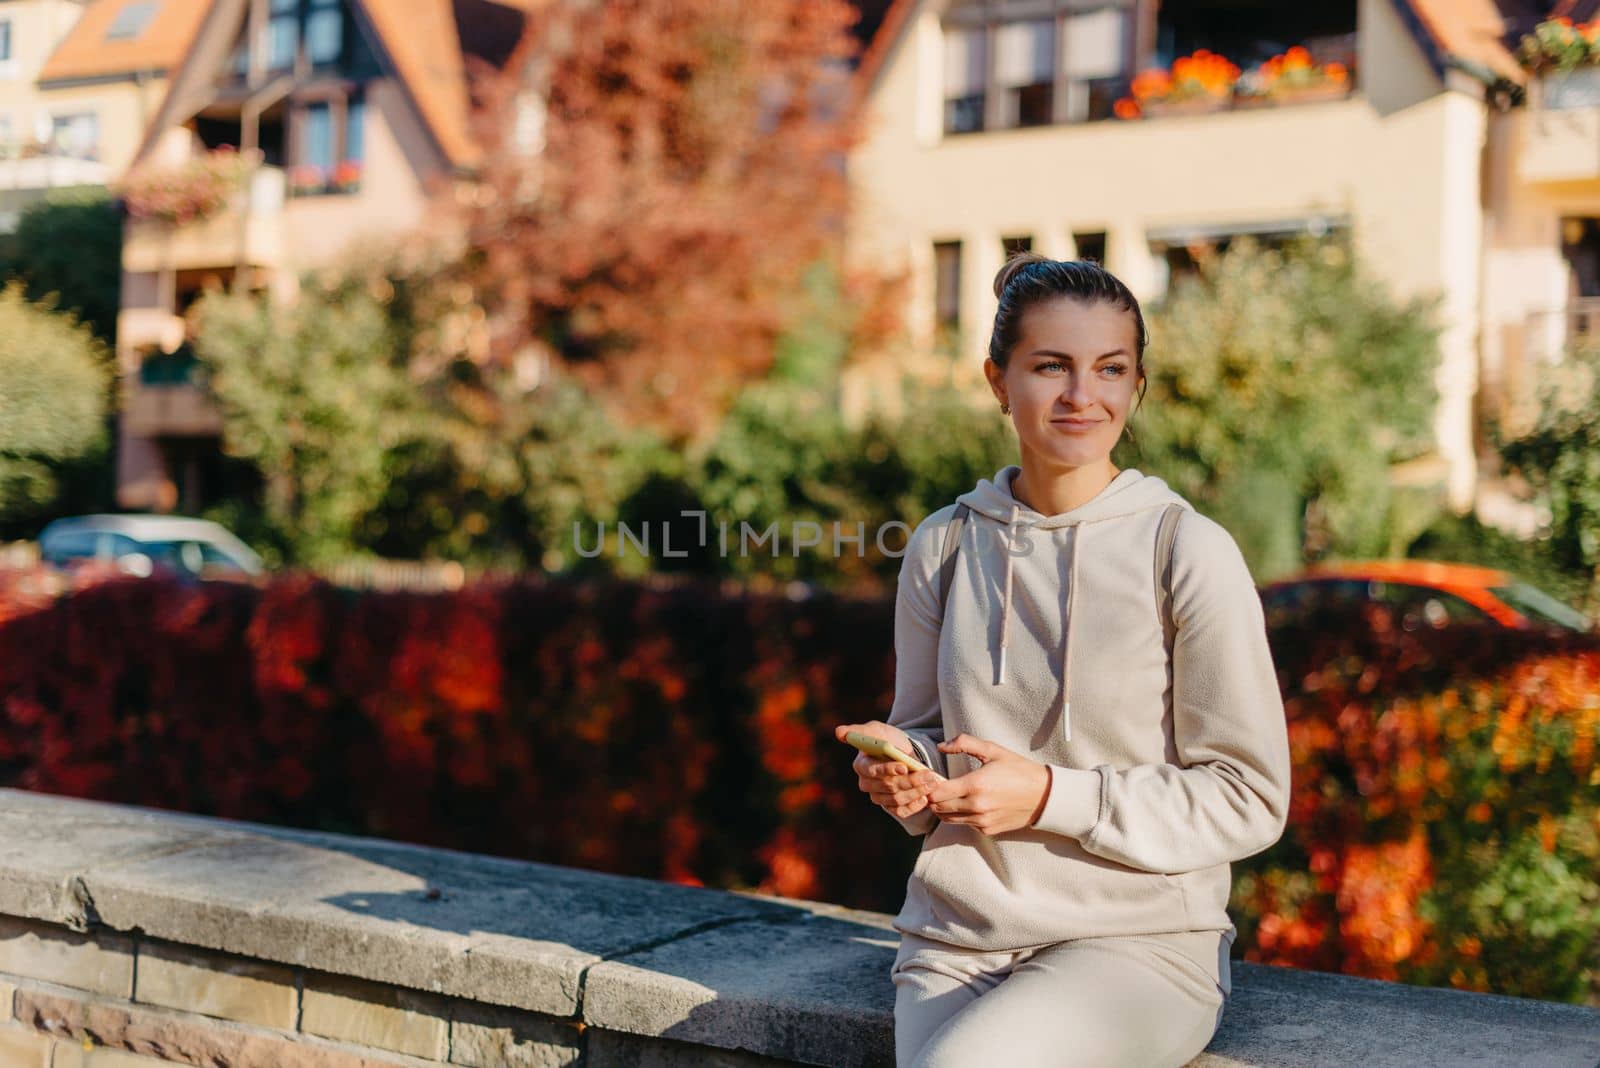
<point>1013,267</point>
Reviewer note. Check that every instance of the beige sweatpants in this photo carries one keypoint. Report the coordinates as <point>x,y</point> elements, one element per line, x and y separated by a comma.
<point>1142,1001</point>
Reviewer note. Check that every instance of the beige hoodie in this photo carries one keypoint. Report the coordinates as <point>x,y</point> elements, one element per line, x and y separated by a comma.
<point>1161,773</point>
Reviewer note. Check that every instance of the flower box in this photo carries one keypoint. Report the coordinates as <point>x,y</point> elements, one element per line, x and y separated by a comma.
<point>1309,94</point>
<point>1197,105</point>
<point>1578,88</point>
<point>192,192</point>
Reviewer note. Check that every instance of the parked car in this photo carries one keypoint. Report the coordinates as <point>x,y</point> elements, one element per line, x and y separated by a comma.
<point>139,544</point>
<point>1422,593</point>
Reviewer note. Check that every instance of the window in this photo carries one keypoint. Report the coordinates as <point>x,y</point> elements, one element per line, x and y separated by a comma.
<point>354,130</point>
<point>1018,63</point>
<point>1424,607</point>
<point>1010,246</point>
<point>1025,73</point>
<point>319,25</point>
<point>316,137</point>
<point>1093,47</point>
<point>132,20</point>
<point>946,290</point>
<point>1306,601</point>
<point>283,32</point>
<point>1540,606</point>
<point>324,31</point>
<point>964,78</point>
<point>328,143</point>
<point>76,135</point>
<point>8,62</point>
<point>1091,245</point>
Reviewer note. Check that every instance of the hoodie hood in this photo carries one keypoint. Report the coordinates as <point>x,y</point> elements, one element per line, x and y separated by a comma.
<point>1131,491</point>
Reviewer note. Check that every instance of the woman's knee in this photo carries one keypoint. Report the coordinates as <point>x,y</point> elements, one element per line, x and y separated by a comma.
<point>1127,1004</point>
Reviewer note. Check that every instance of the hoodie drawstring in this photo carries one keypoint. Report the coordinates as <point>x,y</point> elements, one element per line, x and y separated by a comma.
<point>1066,632</point>
<point>1005,601</point>
<point>1075,533</point>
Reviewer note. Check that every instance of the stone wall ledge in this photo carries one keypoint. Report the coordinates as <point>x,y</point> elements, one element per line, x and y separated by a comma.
<point>582,967</point>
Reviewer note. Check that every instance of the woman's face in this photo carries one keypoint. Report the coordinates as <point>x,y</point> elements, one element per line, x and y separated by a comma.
<point>1070,380</point>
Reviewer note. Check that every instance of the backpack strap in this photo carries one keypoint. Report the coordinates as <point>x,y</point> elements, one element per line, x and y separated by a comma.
<point>952,542</point>
<point>1166,534</point>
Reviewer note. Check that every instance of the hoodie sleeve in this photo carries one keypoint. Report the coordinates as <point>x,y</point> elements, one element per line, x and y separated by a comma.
<point>1228,798</point>
<point>916,654</point>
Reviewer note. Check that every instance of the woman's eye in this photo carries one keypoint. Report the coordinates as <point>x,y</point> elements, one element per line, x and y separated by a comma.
<point>1117,367</point>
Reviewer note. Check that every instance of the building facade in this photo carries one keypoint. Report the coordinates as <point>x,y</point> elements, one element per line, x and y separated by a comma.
<point>995,124</point>
<point>349,117</point>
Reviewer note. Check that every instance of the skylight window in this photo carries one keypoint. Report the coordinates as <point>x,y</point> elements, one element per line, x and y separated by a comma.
<point>132,20</point>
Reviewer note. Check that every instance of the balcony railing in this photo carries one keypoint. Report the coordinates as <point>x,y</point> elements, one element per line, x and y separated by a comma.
<point>248,231</point>
<point>178,409</point>
<point>1552,334</point>
<point>33,167</point>
<point>1561,128</point>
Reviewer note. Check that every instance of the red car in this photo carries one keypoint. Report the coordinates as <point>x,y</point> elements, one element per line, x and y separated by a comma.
<point>1422,593</point>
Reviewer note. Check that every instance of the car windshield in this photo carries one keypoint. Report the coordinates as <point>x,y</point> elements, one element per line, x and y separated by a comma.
<point>189,556</point>
<point>1538,605</point>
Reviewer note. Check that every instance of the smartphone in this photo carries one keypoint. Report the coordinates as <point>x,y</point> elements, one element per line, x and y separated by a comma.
<point>877,747</point>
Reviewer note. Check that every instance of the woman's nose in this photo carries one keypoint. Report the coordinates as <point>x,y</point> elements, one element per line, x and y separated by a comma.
<point>1078,393</point>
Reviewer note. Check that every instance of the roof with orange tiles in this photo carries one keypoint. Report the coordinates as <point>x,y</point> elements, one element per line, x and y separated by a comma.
<point>90,51</point>
<point>423,42</point>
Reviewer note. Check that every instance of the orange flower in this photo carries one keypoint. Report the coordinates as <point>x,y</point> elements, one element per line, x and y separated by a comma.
<point>1126,108</point>
<point>1151,83</point>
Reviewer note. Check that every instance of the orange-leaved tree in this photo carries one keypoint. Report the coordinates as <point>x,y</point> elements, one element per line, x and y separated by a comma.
<point>657,176</point>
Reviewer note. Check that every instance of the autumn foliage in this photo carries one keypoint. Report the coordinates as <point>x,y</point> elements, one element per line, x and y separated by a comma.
<point>1445,823</point>
<point>658,176</point>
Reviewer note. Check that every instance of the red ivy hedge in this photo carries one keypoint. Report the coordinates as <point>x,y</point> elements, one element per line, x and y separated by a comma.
<point>1444,826</point>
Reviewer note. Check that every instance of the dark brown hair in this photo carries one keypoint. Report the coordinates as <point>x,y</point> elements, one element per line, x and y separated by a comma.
<point>1029,278</point>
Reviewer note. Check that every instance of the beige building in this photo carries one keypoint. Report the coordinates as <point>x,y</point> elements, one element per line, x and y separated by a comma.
<point>30,30</point>
<point>358,111</point>
<point>79,79</point>
<point>992,125</point>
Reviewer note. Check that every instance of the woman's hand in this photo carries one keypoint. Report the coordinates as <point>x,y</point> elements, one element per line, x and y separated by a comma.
<point>1006,794</point>
<point>897,789</point>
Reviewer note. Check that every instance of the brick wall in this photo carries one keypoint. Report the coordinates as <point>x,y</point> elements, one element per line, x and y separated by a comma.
<point>108,1000</point>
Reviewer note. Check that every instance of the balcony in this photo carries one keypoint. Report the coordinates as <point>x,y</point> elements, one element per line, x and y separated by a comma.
<point>1550,335</point>
<point>1561,128</point>
<point>169,399</point>
<point>248,230</point>
<point>45,170</point>
<point>26,175</point>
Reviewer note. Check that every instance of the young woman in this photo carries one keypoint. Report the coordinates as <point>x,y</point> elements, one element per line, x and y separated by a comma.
<point>1069,904</point>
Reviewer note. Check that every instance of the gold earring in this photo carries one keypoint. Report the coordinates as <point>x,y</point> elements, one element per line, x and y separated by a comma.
<point>1005,409</point>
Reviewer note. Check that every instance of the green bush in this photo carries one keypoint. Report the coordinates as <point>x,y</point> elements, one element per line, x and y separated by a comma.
<point>1560,457</point>
<point>55,379</point>
<point>1287,381</point>
<point>70,244</point>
